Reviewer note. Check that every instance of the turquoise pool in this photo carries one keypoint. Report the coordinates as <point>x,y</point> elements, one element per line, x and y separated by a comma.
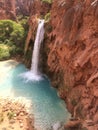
<point>47,107</point>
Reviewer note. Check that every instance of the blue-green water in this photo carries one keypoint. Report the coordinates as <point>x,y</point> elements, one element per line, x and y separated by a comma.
<point>47,107</point>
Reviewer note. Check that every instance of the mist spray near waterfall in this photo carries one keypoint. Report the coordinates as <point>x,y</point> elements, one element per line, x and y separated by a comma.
<point>34,74</point>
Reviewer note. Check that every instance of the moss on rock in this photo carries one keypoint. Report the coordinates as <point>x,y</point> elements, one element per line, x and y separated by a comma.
<point>47,1</point>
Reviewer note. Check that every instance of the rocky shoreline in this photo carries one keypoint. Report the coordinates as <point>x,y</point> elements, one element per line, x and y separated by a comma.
<point>14,116</point>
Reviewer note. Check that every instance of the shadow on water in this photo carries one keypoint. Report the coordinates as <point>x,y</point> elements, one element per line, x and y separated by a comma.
<point>47,107</point>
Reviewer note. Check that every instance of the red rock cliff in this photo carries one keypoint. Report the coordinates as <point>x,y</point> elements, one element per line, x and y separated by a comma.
<point>9,9</point>
<point>73,55</point>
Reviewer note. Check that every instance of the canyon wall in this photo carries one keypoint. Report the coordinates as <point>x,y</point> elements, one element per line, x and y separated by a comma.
<point>73,56</point>
<point>7,9</point>
<point>10,9</point>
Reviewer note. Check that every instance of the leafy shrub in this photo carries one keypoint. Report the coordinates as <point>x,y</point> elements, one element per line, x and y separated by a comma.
<point>12,31</point>
<point>24,22</point>
<point>12,37</point>
<point>4,52</point>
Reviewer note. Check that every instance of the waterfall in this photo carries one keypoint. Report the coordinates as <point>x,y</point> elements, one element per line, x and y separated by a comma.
<point>38,40</point>
<point>34,74</point>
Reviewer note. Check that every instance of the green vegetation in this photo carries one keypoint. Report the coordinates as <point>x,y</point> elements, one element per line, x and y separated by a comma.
<point>10,115</point>
<point>12,38</point>
<point>47,17</point>
<point>4,52</point>
<point>1,117</point>
<point>23,20</point>
<point>47,1</point>
<point>11,30</point>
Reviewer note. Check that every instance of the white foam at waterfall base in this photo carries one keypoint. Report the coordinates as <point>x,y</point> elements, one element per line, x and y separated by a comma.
<point>34,74</point>
<point>29,76</point>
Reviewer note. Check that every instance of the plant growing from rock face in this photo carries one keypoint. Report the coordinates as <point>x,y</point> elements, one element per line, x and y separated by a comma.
<point>47,17</point>
<point>47,1</point>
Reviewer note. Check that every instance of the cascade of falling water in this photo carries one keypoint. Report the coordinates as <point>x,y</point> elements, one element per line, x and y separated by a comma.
<point>38,40</point>
<point>34,73</point>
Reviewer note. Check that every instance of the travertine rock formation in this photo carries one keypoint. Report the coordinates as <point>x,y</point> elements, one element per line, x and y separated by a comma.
<point>73,55</point>
<point>9,9</point>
